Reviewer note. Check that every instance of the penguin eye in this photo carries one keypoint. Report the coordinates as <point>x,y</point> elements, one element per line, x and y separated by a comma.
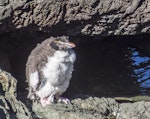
<point>63,40</point>
<point>56,40</point>
<point>54,45</point>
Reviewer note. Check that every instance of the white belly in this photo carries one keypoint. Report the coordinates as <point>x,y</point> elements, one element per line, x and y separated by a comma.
<point>57,72</point>
<point>59,67</point>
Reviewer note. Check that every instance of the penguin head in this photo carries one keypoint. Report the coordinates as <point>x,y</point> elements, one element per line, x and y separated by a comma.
<point>62,44</point>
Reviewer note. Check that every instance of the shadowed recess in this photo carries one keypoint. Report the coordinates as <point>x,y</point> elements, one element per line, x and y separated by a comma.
<point>105,66</point>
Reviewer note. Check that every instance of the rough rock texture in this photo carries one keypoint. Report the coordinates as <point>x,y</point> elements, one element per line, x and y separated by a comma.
<point>94,108</point>
<point>90,108</point>
<point>10,107</point>
<point>84,107</point>
<point>137,110</point>
<point>76,17</point>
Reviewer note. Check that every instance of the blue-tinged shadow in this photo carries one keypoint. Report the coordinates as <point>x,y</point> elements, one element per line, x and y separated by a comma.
<point>141,70</point>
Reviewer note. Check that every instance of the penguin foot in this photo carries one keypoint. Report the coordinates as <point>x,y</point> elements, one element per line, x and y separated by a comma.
<point>45,101</point>
<point>63,100</point>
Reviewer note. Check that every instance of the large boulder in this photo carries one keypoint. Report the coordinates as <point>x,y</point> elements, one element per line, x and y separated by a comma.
<point>76,17</point>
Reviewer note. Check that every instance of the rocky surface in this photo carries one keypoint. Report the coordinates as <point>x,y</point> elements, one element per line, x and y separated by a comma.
<point>76,17</point>
<point>83,107</point>
<point>89,108</point>
<point>10,106</point>
<point>137,110</point>
<point>94,108</point>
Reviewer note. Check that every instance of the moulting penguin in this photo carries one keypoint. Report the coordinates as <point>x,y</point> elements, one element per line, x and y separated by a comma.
<point>49,69</point>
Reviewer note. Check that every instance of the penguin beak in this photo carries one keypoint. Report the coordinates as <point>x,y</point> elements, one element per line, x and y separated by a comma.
<point>70,45</point>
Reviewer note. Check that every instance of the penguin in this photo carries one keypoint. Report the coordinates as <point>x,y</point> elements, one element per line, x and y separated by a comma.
<point>49,70</point>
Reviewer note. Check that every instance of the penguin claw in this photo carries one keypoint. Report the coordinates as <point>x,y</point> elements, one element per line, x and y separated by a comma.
<point>45,102</point>
<point>63,100</point>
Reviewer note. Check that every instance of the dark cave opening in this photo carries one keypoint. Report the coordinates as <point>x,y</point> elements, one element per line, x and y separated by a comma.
<point>103,66</point>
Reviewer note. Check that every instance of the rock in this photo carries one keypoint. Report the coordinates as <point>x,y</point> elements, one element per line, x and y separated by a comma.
<point>137,110</point>
<point>85,107</point>
<point>76,17</point>
<point>10,106</point>
<point>93,108</point>
<point>90,108</point>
